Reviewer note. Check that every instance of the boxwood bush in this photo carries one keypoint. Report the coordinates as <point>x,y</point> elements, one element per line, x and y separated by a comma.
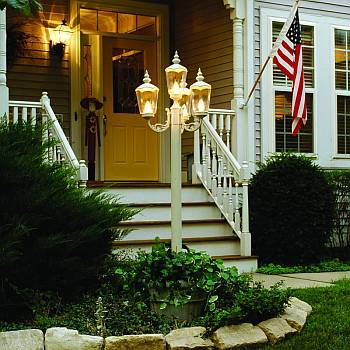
<point>291,210</point>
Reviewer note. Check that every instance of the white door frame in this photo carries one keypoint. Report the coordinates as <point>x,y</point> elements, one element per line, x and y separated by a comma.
<point>162,14</point>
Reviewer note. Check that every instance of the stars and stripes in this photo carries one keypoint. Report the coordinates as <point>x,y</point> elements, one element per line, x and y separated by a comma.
<point>288,58</point>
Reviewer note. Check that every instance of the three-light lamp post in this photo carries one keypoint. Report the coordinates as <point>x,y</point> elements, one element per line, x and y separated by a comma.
<point>186,113</point>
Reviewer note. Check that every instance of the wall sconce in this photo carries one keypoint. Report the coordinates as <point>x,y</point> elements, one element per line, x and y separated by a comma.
<point>60,37</point>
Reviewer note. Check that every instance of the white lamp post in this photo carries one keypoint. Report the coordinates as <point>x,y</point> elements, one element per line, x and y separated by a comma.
<point>187,102</point>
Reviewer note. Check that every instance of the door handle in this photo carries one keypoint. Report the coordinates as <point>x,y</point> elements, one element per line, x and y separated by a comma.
<point>104,125</point>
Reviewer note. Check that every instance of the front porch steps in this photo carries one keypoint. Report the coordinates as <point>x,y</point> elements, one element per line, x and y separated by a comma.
<point>204,228</point>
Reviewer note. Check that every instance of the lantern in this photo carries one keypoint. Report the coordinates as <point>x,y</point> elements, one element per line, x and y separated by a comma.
<point>147,97</point>
<point>175,74</point>
<point>61,34</point>
<point>200,96</point>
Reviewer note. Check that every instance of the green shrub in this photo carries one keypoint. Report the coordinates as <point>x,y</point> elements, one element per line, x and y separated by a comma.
<point>323,266</point>
<point>291,210</point>
<point>340,180</point>
<point>53,235</point>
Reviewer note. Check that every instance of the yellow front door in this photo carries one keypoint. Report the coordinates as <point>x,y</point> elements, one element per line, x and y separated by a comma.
<point>131,149</point>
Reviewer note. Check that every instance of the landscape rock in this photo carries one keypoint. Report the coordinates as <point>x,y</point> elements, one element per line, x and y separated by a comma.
<point>233,337</point>
<point>295,317</point>
<point>61,338</point>
<point>276,329</point>
<point>300,305</point>
<point>28,339</point>
<point>189,338</point>
<point>136,342</point>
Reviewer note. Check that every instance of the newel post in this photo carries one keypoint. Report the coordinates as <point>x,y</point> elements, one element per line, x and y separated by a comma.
<point>246,249</point>
<point>4,91</point>
<point>83,174</point>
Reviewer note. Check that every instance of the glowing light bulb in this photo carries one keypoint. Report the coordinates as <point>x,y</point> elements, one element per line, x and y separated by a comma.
<point>201,106</point>
<point>148,108</point>
<point>176,88</point>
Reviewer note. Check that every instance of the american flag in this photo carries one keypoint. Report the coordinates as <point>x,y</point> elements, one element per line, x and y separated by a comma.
<point>288,57</point>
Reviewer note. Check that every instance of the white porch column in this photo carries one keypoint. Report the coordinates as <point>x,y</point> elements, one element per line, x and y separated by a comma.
<point>239,136</point>
<point>4,92</point>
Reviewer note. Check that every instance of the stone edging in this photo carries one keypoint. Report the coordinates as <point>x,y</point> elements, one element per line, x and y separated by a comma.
<point>225,338</point>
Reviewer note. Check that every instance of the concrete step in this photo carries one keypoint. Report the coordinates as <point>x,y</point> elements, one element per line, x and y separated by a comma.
<point>244,264</point>
<point>220,245</point>
<point>158,194</point>
<point>190,228</point>
<point>162,211</point>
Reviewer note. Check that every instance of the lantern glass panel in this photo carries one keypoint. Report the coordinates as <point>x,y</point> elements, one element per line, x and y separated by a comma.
<point>147,99</point>
<point>174,78</point>
<point>200,100</point>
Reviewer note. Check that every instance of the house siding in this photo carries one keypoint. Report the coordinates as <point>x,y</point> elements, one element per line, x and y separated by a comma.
<point>36,71</point>
<point>339,8</point>
<point>204,38</point>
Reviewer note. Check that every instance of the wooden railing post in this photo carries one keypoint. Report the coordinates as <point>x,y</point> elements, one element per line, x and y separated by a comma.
<point>245,236</point>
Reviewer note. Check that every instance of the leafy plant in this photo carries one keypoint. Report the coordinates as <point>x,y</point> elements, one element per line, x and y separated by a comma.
<point>183,275</point>
<point>53,235</point>
<point>26,7</point>
<point>291,210</point>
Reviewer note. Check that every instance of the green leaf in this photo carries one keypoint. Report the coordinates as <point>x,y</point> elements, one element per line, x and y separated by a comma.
<point>26,7</point>
<point>211,307</point>
<point>213,298</point>
<point>162,306</point>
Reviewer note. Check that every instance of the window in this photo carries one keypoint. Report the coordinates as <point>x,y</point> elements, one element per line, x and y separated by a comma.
<point>284,141</point>
<point>342,86</point>
<point>115,22</point>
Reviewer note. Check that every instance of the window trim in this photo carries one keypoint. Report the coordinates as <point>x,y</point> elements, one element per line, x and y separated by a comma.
<point>337,93</point>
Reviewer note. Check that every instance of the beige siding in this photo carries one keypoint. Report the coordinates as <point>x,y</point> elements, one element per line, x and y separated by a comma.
<point>36,70</point>
<point>203,37</point>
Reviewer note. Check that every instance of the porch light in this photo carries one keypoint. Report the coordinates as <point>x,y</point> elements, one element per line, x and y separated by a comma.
<point>175,74</point>
<point>185,102</point>
<point>147,98</point>
<point>60,37</point>
<point>177,118</point>
<point>200,96</point>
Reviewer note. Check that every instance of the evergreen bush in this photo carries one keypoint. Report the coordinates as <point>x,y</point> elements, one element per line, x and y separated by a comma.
<point>291,210</point>
<point>53,235</point>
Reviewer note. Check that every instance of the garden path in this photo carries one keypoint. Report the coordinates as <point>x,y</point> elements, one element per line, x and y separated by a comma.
<point>302,280</point>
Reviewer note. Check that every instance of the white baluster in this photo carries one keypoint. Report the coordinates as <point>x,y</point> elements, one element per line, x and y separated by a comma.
<point>51,148</point>
<point>237,214</point>
<point>33,116</point>
<point>230,197</point>
<point>208,157</point>
<point>214,170</point>
<point>204,157</point>
<point>228,131</point>
<point>219,177</point>
<point>24,114</point>
<point>213,120</point>
<point>221,125</point>
<point>15,114</point>
<point>196,158</point>
<point>225,198</point>
<point>59,154</point>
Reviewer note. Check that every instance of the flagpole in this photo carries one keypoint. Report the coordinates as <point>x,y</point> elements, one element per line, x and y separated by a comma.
<point>275,46</point>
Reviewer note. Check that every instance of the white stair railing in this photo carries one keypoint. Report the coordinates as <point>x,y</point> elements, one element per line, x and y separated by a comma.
<point>61,151</point>
<point>220,173</point>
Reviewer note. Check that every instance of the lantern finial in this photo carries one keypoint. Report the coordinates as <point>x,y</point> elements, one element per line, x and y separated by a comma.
<point>200,76</point>
<point>176,59</point>
<point>146,78</point>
